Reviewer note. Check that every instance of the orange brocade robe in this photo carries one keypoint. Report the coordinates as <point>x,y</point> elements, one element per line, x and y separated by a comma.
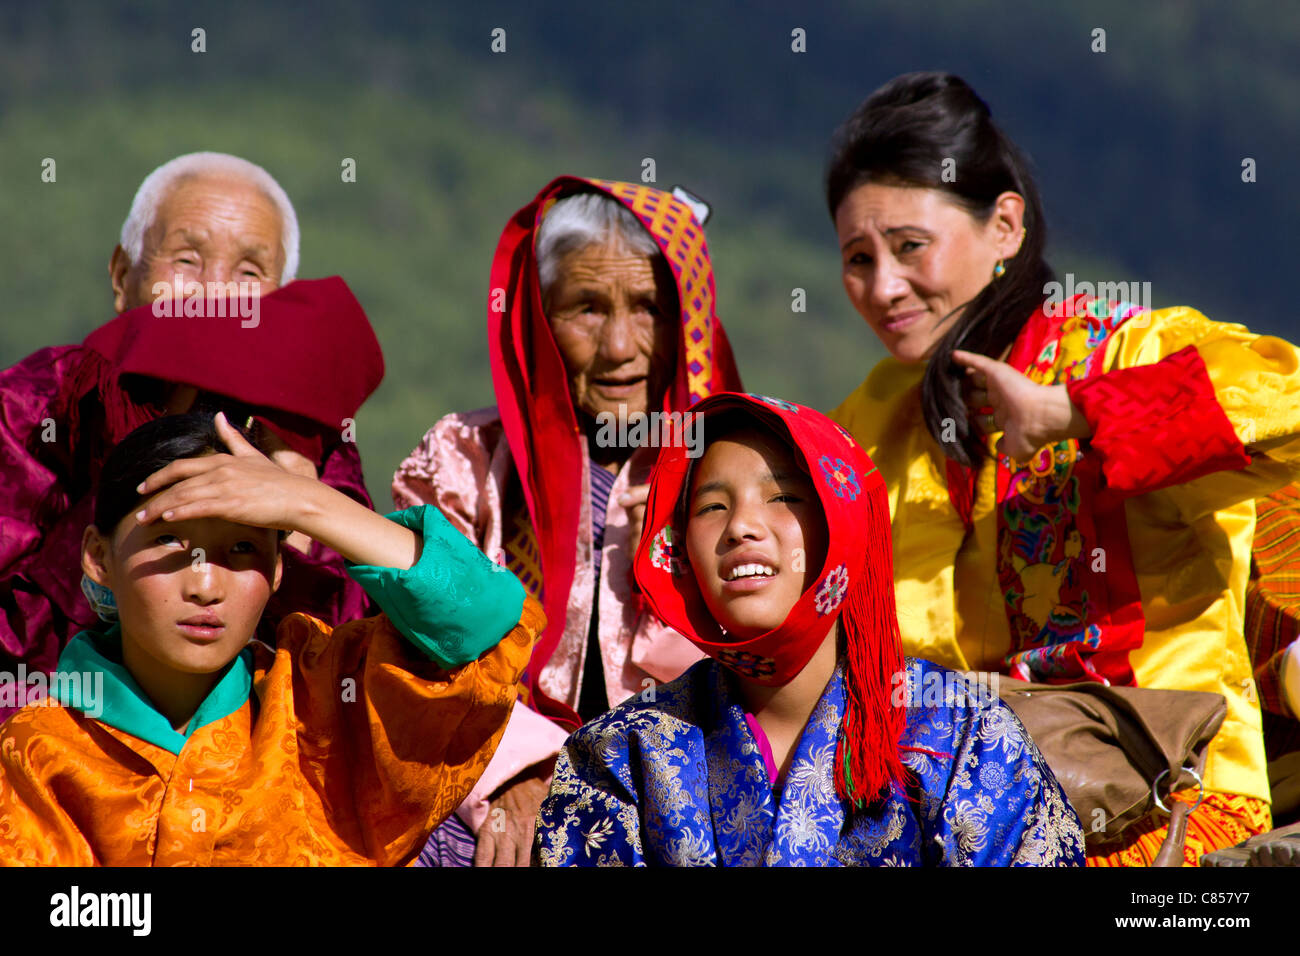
<point>351,748</point>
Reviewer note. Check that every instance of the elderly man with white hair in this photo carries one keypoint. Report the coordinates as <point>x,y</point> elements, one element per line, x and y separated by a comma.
<point>209,217</point>
<point>207,228</point>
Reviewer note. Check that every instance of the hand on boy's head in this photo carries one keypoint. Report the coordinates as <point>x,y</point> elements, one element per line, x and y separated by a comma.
<point>244,486</point>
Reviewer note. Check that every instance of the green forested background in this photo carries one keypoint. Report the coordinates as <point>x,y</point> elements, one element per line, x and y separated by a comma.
<point>1138,152</point>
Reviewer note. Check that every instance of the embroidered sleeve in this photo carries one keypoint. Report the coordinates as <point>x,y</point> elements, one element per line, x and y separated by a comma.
<point>27,392</point>
<point>1183,397</point>
<point>454,603</point>
<point>590,816</point>
<point>1157,425</point>
<point>1033,824</point>
<point>38,524</point>
<point>35,830</point>
<point>389,741</point>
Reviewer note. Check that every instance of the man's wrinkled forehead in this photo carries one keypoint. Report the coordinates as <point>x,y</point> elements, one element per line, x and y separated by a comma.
<point>201,203</point>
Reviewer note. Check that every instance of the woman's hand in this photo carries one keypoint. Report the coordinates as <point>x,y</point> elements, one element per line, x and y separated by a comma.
<point>1030,416</point>
<point>506,838</point>
<point>245,487</point>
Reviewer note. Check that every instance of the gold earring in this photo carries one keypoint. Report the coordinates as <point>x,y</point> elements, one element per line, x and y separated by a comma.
<point>1000,269</point>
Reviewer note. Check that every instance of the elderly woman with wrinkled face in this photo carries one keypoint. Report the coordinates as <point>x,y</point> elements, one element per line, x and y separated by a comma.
<point>600,310</point>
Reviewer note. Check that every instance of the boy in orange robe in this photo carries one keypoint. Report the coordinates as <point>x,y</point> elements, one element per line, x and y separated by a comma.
<point>169,739</point>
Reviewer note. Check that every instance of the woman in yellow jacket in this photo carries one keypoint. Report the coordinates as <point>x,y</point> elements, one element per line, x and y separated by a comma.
<point>1071,480</point>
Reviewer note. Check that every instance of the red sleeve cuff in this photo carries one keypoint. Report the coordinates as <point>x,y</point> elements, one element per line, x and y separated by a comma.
<point>1157,425</point>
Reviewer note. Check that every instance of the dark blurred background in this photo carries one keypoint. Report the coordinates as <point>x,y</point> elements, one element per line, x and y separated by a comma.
<point>1138,151</point>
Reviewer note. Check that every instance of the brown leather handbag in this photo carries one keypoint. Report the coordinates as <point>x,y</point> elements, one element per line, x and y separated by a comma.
<point>1117,751</point>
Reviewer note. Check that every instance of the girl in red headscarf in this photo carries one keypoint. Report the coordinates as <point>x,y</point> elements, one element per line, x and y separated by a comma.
<point>805,739</point>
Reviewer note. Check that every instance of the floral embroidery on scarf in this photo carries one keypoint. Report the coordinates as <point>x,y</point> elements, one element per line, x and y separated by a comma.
<point>832,591</point>
<point>665,554</point>
<point>839,477</point>
<point>751,665</point>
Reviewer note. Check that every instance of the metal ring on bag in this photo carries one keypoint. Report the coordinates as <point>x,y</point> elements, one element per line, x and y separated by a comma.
<point>1200,787</point>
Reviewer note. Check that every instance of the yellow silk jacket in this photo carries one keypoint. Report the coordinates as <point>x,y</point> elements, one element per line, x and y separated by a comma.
<point>1186,475</point>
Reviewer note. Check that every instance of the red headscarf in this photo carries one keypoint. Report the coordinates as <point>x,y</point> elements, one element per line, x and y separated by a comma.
<point>855,583</point>
<point>309,362</point>
<point>532,386</point>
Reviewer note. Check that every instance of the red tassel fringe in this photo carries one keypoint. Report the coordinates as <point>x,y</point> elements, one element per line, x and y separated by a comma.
<point>868,758</point>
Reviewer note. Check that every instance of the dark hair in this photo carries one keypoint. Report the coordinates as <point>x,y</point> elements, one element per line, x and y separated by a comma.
<point>152,446</point>
<point>901,135</point>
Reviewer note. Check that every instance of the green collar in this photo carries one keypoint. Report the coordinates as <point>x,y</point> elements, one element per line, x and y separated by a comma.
<point>125,706</point>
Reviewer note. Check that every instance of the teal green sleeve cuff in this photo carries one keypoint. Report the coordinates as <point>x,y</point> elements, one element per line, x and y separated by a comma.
<point>454,604</point>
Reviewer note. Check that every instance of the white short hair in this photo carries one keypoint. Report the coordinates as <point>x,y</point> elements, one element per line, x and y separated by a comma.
<point>587,219</point>
<point>156,186</point>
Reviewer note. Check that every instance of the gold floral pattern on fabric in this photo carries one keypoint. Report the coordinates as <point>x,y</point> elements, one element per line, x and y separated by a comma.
<point>680,781</point>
